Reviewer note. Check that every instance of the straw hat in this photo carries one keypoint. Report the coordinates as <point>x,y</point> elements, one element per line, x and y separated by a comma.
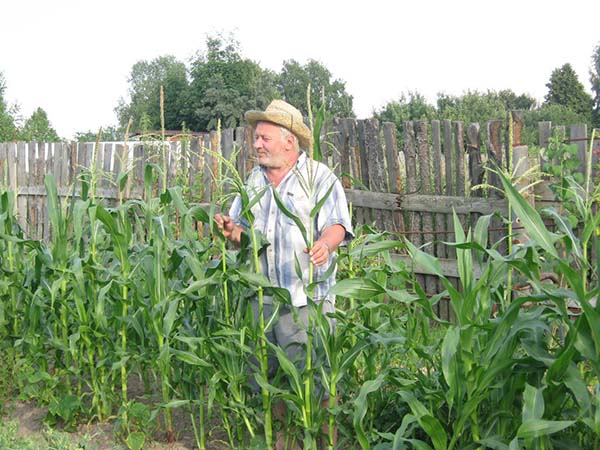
<point>284,114</point>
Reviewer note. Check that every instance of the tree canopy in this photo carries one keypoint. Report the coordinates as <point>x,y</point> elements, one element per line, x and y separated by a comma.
<point>8,130</point>
<point>225,85</point>
<point>38,128</point>
<point>564,88</point>
<point>145,81</point>
<point>293,82</point>
<point>221,84</point>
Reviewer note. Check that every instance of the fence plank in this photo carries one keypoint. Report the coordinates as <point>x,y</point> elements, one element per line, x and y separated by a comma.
<point>447,148</point>
<point>362,159</point>
<point>475,165</point>
<point>578,135</point>
<point>393,165</point>
<point>410,157</point>
<point>11,161</point>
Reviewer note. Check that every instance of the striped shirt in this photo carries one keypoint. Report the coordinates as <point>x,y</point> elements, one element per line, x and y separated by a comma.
<point>300,191</point>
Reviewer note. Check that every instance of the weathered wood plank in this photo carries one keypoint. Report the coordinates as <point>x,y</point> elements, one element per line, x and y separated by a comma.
<point>375,156</point>
<point>426,188</point>
<point>107,160</point>
<point>494,155</point>
<point>22,181</point>
<point>544,133</point>
<point>11,161</point>
<point>238,145</point>
<point>376,168</point>
<point>137,172</point>
<point>70,176</point>
<point>475,166</point>
<point>517,127</point>
<point>421,203</point>
<point>336,140</point>
<point>578,135</point>
<point>412,180</point>
<point>207,164</point>
<point>438,178</point>
<point>394,175</point>
<point>447,148</point>
<point>249,149</point>
<point>362,159</point>
<point>424,159</point>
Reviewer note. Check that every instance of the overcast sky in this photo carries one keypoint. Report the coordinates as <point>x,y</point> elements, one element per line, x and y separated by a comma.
<point>73,57</point>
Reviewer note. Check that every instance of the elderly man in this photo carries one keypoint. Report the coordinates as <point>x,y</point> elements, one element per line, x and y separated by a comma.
<point>300,182</point>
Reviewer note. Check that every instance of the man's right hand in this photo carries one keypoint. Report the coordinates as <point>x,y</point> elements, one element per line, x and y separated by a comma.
<point>230,230</point>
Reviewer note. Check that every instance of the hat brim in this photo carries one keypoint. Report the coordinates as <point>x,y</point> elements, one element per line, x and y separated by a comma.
<point>299,129</point>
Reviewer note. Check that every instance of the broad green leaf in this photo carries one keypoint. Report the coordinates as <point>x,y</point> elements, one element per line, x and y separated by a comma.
<point>530,218</point>
<point>170,317</point>
<point>284,209</point>
<point>430,424</point>
<point>464,258</point>
<point>538,427</point>
<point>533,403</point>
<point>361,405</point>
<point>136,440</point>
<point>425,260</point>
<point>374,248</point>
<point>449,349</point>
<point>322,200</point>
<point>357,288</point>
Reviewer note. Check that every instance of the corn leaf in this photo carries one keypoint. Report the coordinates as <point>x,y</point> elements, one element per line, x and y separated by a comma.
<point>536,428</point>
<point>531,220</point>
<point>357,288</point>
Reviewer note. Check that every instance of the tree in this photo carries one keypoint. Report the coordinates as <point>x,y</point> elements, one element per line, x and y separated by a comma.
<point>411,107</point>
<point>145,81</point>
<point>108,134</point>
<point>7,122</point>
<point>513,101</point>
<point>293,81</point>
<point>225,85</point>
<point>472,107</point>
<point>564,88</point>
<point>38,128</point>
<point>595,80</point>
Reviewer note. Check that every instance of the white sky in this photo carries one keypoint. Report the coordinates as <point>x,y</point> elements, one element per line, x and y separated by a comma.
<point>73,57</point>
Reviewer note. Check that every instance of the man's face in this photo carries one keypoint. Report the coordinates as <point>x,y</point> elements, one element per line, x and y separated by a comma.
<point>272,149</point>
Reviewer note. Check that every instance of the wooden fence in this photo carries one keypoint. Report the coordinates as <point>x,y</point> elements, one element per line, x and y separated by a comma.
<point>406,183</point>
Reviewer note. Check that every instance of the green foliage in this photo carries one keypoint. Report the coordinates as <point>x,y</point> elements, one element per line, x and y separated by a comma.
<point>225,85</point>
<point>562,164</point>
<point>472,107</point>
<point>293,82</point>
<point>8,128</point>
<point>564,88</point>
<point>415,107</point>
<point>110,133</point>
<point>145,80</point>
<point>38,128</point>
<point>220,85</point>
